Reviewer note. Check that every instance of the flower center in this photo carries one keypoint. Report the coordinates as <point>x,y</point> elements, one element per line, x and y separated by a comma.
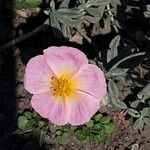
<point>61,86</point>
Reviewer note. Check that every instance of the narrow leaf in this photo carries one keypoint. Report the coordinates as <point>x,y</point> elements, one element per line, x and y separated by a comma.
<point>147,120</point>
<point>64,4</point>
<point>133,112</point>
<point>114,45</point>
<point>117,72</point>
<point>144,112</point>
<point>138,124</point>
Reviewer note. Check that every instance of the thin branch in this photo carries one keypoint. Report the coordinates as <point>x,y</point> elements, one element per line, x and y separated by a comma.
<point>22,38</point>
<point>111,17</point>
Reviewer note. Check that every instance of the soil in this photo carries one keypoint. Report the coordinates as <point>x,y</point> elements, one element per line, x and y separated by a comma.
<point>14,99</point>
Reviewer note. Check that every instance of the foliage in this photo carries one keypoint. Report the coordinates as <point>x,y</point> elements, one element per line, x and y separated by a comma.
<point>64,19</point>
<point>20,4</point>
<point>30,120</point>
<point>139,108</point>
<point>97,129</point>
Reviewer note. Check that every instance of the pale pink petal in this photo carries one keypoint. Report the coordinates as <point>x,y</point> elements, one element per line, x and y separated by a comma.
<point>83,107</point>
<point>65,60</point>
<point>37,75</point>
<point>54,109</point>
<point>91,80</point>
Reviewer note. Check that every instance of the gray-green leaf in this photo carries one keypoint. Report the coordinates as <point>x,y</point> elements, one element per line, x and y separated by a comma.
<point>133,112</point>
<point>22,122</point>
<point>138,124</point>
<point>114,45</point>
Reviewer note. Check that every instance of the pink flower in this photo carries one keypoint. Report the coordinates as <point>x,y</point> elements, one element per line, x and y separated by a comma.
<point>66,88</point>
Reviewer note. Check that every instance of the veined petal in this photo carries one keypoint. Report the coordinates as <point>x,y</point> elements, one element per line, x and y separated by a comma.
<point>37,75</point>
<point>65,60</point>
<point>54,109</point>
<point>92,81</point>
<point>83,107</point>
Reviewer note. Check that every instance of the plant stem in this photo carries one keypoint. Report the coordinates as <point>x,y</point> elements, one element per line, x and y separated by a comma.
<point>126,58</point>
<point>22,38</point>
<point>111,17</point>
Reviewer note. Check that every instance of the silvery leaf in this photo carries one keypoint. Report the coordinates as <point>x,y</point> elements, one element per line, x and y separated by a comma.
<point>52,4</point>
<point>144,112</point>
<point>118,72</point>
<point>135,103</point>
<point>108,55</point>
<point>133,112</point>
<point>147,120</point>
<point>64,4</point>
<point>114,45</point>
<point>138,124</point>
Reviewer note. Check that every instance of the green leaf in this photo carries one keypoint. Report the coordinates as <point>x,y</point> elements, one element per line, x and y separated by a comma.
<point>22,122</point>
<point>90,124</point>
<point>135,103</point>
<point>20,4</point>
<point>28,114</point>
<point>146,120</point>
<point>98,117</point>
<point>82,1</point>
<point>72,128</point>
<point>58,139</point>
<point>41,124</point>
<point>80,136</point>
<point>114,45</point>
<point>66,30</point>
<point>147,12</point>
<point>138,124</point>
<point>113,93</point>
<point>64,4</point>
<point>32,123</point>
<point>114,3</point>
<point>140,96</point>
<point>85,131</point>
<point>117,72</point>
<point>133,112</point>
<point>144,112</point>
<point>105,120</point>
<point>91,19</point>
<point>107,26</point>
<point>96,12</point>
<point>52,4</point>
<point>145,92</point>
<point>70,13</point>
<point>35,114</point>
<point>119,104</point>
<point>108,55</point>
<point>110,127</point>
<point>102,136</point>
<point>56,28</point>
<point>112,88</point>
<point>97,127</point>
<point>64,135</point>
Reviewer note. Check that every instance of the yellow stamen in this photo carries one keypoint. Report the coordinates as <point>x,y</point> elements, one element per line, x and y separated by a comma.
<point>62,86</point>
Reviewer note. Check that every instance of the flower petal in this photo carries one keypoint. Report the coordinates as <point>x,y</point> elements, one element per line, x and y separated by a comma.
<point>83,107</point>
<point>92,81</point>
<point>65,59</point>
<point>37,75</point>
<point>56,110</point>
